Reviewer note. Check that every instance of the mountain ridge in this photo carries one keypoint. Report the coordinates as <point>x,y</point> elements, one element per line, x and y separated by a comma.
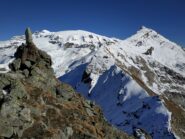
<point>147,58</point>
<point>35,104</point>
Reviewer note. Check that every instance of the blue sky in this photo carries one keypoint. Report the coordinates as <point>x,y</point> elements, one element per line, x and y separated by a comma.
<point>113,18</point>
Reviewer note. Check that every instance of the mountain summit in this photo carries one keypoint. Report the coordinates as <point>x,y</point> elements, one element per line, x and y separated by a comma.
<point>138,82</point>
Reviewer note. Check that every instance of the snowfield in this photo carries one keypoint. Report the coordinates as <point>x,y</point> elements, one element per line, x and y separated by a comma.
<point>111,72</point>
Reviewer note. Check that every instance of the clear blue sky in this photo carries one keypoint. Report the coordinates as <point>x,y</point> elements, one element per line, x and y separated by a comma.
<point>114,18</point>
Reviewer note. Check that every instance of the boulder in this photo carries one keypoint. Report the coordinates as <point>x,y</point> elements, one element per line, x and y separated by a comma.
<point>15,65</point>
<point>5,130</point>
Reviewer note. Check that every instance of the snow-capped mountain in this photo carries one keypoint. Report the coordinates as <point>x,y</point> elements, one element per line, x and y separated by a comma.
<point>139,82</point>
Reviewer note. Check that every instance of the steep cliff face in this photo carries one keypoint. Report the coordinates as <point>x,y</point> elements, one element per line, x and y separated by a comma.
<point>35,104</point>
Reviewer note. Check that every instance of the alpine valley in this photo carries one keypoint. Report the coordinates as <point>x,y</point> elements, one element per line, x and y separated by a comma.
<point>139,82</point>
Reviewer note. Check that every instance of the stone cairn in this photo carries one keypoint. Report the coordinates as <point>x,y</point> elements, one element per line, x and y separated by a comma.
<point>28,54</point>
<point>28,35</point>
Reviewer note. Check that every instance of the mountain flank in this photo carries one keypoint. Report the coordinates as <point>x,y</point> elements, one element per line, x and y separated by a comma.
<point>139,82</point>
<point>35,104</point>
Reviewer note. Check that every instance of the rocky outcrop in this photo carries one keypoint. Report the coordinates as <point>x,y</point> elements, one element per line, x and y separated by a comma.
<point>28,54</point>
<point>34,104</point>
<point>149,51</point>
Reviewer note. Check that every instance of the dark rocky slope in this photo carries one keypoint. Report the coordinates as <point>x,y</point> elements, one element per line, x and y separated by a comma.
<point>34,104</point>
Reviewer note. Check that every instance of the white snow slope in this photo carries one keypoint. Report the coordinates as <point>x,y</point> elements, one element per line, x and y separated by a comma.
<point>100,68</point>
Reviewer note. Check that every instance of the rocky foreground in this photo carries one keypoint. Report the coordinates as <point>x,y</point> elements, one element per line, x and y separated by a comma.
<point>35,104</point>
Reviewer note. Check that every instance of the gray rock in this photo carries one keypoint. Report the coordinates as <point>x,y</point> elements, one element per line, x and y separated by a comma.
<point>68,45</point>
<point>15,65</point>
<point>68,132</point>
<point>18,91</point>
<point>45,57</point>
<point>2,69</point>
<point>5,130</point>
<point>87,104</point>
<point>66,94</point>
<point>25,114</point>
<point>1,95</point>
<point>17,122</point>
<point>26,72</point>
<point>89,112</point>
<point>27,64</point>
<point>28,35</point>
<point>149,51</point>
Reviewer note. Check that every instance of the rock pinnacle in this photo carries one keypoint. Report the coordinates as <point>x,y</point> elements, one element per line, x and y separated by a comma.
<point>28,34</point>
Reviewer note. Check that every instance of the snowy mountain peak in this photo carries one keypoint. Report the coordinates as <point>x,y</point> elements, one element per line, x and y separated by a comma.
<point>45,31</point>
<point>145,29</point>
<point>148,34</point>
<point>145,32</point>
<point>120,71</point>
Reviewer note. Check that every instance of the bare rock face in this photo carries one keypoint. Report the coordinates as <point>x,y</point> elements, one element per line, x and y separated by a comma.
<point>34,104</point>
<point>149,51</point>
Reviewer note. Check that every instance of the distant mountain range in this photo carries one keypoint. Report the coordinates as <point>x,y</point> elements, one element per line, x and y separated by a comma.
<point>138,82</point>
